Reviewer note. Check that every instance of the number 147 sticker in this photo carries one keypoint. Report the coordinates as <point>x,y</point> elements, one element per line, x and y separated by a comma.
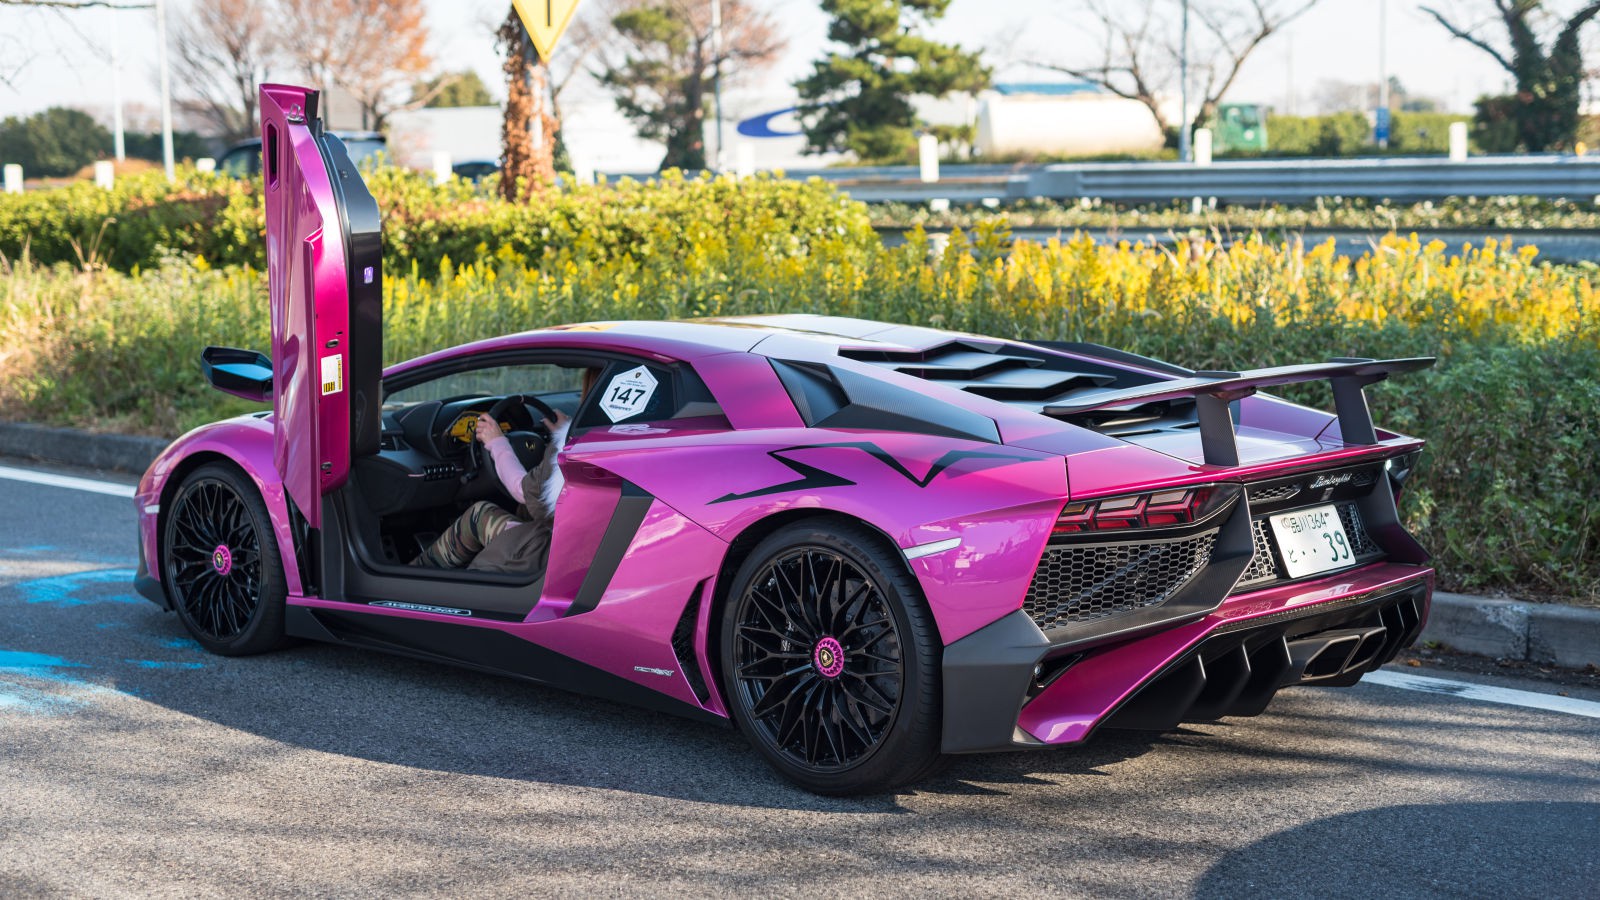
<point>628,394</point>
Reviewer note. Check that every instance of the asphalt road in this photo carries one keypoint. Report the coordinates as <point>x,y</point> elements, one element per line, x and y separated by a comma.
<point>132,763</point>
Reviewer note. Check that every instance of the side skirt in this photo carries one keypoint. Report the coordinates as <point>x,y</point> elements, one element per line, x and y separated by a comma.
<point>349,575</point>
<point>484,649</point>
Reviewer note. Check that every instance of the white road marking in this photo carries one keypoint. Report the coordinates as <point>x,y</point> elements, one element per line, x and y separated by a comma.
<point>108,488</point>
<point>1484,693</point>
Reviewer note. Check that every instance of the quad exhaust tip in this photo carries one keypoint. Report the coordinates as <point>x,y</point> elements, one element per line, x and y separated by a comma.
<point>1331,654</point>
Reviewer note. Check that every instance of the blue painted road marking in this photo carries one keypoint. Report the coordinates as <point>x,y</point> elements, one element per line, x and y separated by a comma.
<point>75,589</point>
<point>16,696</point>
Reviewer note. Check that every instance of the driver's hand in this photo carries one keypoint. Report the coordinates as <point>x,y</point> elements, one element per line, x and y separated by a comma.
<point>559,421</point>
<point>489,430</point>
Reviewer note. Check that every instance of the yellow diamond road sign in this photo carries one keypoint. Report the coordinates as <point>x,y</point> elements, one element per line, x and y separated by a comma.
<point>546,20</point>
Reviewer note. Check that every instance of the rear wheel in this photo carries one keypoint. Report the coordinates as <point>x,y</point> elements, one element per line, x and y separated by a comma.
<point>221,563</point>
<point>830,660</point>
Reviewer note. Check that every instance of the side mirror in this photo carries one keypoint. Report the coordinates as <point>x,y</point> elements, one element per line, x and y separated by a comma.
<point>242,373</point>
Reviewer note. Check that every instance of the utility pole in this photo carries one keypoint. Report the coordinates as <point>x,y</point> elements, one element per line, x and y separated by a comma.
<point>1183,89</point>
<point>721,161</point>
<point>166,91</point>
<point>1288,75</point>
<point>1381,120</point>
<point>118,130</point>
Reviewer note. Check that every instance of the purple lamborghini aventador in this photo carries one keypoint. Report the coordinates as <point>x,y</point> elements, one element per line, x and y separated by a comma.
<point>868,546</point>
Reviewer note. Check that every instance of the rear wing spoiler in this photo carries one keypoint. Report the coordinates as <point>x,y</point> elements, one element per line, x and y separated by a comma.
<point>1213,391</point>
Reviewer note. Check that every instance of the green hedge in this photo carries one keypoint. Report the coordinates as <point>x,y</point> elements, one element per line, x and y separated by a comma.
<point>1350,134</point>
<point>134,225</point>
<point>221,220</point>
<point>1510,492</point>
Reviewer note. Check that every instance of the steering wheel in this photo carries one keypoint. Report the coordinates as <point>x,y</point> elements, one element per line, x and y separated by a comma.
<point>528,438</point>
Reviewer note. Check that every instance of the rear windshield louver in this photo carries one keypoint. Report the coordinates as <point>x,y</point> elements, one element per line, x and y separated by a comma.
<point>999,372</point>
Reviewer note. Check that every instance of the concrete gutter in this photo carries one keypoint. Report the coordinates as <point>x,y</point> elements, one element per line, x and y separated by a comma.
<point>69,446</point>
<point>1547,634</point>
<point>1543,633</point>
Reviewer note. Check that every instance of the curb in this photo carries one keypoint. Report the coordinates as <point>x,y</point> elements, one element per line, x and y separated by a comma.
<point>1546,634</point>
<point>1541,633</point>
<point>69,446</point>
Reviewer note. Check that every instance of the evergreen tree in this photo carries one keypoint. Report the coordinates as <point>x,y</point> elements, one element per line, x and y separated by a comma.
<point>54,143</point>
<point>858,98</point>
<point>451,89</point>
<point>660,67</point>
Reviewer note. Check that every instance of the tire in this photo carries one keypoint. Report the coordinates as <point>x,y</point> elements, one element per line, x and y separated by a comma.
<point>831,660</point>
<point>221,563</point>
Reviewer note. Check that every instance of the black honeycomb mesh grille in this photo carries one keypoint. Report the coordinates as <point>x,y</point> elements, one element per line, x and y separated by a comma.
<point>1264,569</point>
<point>1274,494</point>
<point>1081,584</point>
<point>1362,543</point>
<point>1262,565</point>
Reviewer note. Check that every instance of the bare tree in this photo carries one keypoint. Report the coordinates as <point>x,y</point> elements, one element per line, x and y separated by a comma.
<point>77,4</point>
<point>18,54</point>
<point>20,50</point>
<point>587,37</point>
<point>389,57</point>
<point>221,51</point>
<point>374,49</point>
<point>1140,47</point>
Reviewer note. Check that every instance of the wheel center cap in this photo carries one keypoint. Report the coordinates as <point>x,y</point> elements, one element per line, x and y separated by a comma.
<point>222,559</point>
<point>828,658</point>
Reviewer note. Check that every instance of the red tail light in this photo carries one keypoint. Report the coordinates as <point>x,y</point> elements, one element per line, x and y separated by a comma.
<point>1160,509</point>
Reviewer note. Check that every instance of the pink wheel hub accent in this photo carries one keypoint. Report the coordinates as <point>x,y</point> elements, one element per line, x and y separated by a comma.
<point>222,559</point>
<point>828,658</point>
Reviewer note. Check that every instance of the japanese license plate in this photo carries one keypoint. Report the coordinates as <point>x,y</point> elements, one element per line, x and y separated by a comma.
<point>1312,540</point>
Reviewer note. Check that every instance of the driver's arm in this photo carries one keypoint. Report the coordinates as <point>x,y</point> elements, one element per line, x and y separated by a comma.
<point>506,465</point>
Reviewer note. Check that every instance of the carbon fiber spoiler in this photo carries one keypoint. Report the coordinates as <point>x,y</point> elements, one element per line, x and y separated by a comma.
<point>1213,391</point>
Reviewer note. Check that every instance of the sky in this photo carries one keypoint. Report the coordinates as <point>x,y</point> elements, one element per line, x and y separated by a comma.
<point>49,58</point>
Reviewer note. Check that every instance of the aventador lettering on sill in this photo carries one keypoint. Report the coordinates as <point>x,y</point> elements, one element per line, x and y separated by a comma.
<point>812,477</point>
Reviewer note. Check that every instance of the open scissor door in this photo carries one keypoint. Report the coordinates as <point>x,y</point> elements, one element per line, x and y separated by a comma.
<point>324,270</point>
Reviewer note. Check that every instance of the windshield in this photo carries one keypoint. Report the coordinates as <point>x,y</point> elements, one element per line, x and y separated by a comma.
<point>491,382</point>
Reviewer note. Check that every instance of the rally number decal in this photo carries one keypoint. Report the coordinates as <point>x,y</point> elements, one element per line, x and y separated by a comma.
<point>628,394</point>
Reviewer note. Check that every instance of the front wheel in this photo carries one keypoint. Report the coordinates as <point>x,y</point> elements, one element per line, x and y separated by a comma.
<point>221,563</point>
<point>830,660</point>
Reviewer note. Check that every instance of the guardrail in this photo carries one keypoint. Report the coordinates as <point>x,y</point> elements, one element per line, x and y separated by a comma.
<point>1401,179</point>
<point>1559,247</point>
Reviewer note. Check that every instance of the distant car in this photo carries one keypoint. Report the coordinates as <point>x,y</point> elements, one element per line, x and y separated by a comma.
<point>866,545</point>
<point>475,170</point>
<point>243,160</point>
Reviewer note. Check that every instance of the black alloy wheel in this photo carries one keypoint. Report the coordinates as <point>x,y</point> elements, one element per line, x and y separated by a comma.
<point>831,660</point>
<point>221,564</point>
